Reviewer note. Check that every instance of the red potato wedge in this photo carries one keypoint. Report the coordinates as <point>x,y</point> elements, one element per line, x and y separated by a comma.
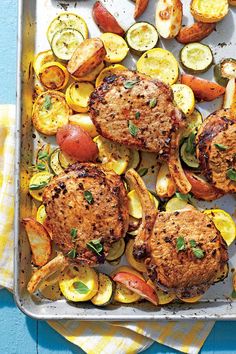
<point>203,90</point>
<point>89,54</point>
<point>202,189</point>
<point>105,20</point>
<point>230,96</point>
<point>165,186</point>
<point>195,32</point>
<point>140,7</point>
<point>169,14</point>
<point>232,2</point>
<point>137,285</point>
<point>39,240</point>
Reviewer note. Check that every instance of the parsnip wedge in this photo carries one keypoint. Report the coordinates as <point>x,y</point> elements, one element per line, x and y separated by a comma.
<point>39,240</point>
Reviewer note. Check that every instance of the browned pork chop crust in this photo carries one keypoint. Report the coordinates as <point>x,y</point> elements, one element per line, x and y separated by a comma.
<point>104,218</point>
<point>129,98</point>
<point>216,149</point>
<point>182,272</point>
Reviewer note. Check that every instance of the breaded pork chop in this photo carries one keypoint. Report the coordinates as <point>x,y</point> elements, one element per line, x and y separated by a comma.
<point>216,149</point>
<point>83,204</point>
<point>137,111</point>
<point>183,250</point>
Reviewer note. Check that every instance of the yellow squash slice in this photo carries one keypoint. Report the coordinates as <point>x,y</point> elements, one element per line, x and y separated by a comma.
<point>37,184</point>
<point>135,207</point>
<point>53,76</point>
<point>209,10</point>
<point>124,295</point>
<point>79,283</point>
<point>41,214</point>
<point>159,64</point>
<point>50,112</point>
<point>224,223</point>
<point>109,70</point>
<point>191,300</point>
<point>85,122</point>
<point>175,204</point>
<point>130,258</point>
<point>184,98</point>
<point>164,298</point>
<point>77,95</point>
<point>43,58</point>
<point>114,156</point>
<point>116,47</point>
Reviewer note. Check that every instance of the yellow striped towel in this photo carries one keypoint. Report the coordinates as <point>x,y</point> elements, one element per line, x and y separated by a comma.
<point>119,337</point>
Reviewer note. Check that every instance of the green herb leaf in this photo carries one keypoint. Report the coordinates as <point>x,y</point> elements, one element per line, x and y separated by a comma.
<point>231,174</point>
<point>38,186</point>
<point>73,233</point>
<point>153,103</point>
<point>47,102</point>
<point>133,129</point>
<point>198,253</point>
<point>190,147</point>
<point>130,84</point>
<point>89,197</point>
<point>42,155</point>
<point>192,243</point>
<point>185,197</point>
<point>80,287</point>
<point>221,147</point>
<point>142,171</point>
<point>95,246</point>
<point>41,166</point>
<point>233,294</point>
<point>180,244</point>
<point>72,253</point>
<point>137,115</point>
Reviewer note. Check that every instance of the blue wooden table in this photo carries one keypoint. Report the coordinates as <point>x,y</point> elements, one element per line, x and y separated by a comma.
<point>18,333</point>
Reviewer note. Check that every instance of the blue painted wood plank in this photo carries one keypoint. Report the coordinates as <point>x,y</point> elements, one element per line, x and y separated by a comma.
<point>18,333</point>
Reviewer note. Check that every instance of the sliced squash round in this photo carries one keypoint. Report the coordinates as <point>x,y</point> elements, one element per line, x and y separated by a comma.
<point>41,214</point>
<point>142,36</point>
<point>134,159</point>
<point>114,156</point>
<point>196,57</point>
<point>159,64</point>
<point>65,42</point>
<point>53,76</point>
<point>116,251</point>
<point>116,47</point>
<point>79,283</point>
<point>77,95</point>
<point>50,112</point>
<point>55,163</point>
<point>37,184</point>
<point>135,207</point>
<point>184,98</point>
<point>224,223</point>
<point>65,160</point>
<point>193,123</point>
<point>175,204</point>
<point>164,298</point>
<point>106,288</point>
<point>41,59</point>
<point>188,158</point>
<point>108,71</point>
<point>222,273</point>
<point>140,266</point>
<point>85,122</point>
<point>67,20</point>
<point>124,295</point>
<point>191,300</point>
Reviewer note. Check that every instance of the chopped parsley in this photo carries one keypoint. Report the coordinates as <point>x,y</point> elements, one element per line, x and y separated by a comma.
<point>95,246</point>
<point>153,103</point>
<point>231,174</point>
<point>42,155</point>
<point>142,171</point>
<point>192,243</point>
<point>72,253</point>
<point>47,102</point>
<point>133,129</point>
<point>190,147</point>
<point>41,166</point>
<point>80,287</point>
<point>221,147</point>
<point>73,233</point>
<point>130,84</point>
<point>180,244</point>
<point>38,186</point>
<point>137,115</point>
<point>198,252</point>
<point>89,197</point>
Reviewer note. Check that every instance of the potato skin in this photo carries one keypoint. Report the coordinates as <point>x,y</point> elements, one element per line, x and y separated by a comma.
<point>169,15</point>
<point>105,20</point>
<point>232,2</point>
<point>86,57</point>
<point>195,32</point>
<point>207,16</point>
<point>140,7</point>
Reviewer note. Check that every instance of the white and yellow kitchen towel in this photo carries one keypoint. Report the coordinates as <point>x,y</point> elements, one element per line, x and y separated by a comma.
<point>119,337</point>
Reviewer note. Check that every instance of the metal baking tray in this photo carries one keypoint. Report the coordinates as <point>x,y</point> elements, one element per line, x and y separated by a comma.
<point>34,17</point>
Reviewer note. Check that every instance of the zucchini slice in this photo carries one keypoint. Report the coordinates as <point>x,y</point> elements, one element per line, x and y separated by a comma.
<point>55,163</point>
<point>77,96</point>
<point>65,160</point>
<point>196,57</point>
<point>106,288</point>
<point>134,159</point>
<point>114,156</point>
<point>67,20</point>
<point>188,158</point>
<point>116,250</point>
<point>79,283</point>
<point>193,123</point>
<point>142,36</point>
<point>65,41</point>
<point>225,70</point>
